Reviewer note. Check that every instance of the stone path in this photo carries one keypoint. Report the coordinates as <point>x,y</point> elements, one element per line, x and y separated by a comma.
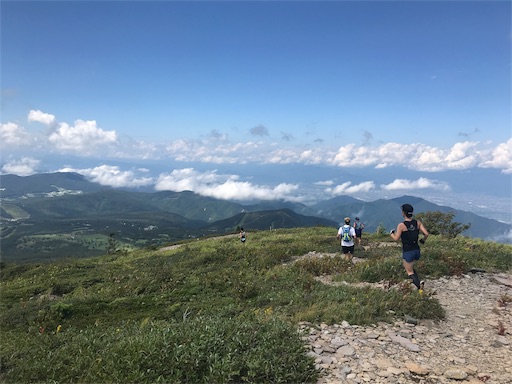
<point>466,347</point>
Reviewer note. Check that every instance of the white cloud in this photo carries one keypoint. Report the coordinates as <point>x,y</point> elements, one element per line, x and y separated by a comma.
<point>351,155</point>
<point>415,156</point>
<point>310,157</point>
<point>226,187</point>
<point>112,176</point>
<point>282,156</point>
<point>390,152</point>
<point>26,166</point>
<point>421,183</point>
<point>503,238</point>
<point>463,155</point>
<point>84,137</point>
<point>12,134</point>
<point>501,157</point>
<point>348,189</point>
<point>429,159</point>
<point>325,183</point>
<point>361,187</point>
<point>41,117</point>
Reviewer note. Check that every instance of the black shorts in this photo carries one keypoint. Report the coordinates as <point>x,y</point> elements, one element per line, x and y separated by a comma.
<point>359,232</point>
<point>346,250</point>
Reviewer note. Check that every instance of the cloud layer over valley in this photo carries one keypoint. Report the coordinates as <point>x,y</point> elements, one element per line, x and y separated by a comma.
<point>229,168</point>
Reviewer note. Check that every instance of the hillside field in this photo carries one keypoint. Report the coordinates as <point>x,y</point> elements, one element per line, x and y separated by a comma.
<point>210,310</point>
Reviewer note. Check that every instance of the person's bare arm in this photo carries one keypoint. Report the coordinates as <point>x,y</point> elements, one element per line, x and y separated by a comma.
<point>424,231</point>
<point>396,234</point>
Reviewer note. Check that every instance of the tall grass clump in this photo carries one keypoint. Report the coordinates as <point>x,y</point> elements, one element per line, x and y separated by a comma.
<point>375,270</point>
<point>452,257</point>
<point>363,305</point>
<point>323,265</point>
<point>246,349</point>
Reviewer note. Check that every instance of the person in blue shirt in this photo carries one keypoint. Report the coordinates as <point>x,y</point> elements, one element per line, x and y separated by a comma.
<point>358,226</point>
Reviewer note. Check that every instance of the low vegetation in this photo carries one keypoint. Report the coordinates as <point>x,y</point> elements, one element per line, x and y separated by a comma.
<point>210,310</point>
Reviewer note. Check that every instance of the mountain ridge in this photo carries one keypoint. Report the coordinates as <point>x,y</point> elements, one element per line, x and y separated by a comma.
<point>151,218</point>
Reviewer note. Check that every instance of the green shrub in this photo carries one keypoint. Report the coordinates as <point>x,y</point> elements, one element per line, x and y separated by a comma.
<point>375,270</point>
<point>61,310</point>
<point>323,265</point>
<point>246,349</point>
<point>366,306</point>
<point>457,256</point>
<point>442,224</point>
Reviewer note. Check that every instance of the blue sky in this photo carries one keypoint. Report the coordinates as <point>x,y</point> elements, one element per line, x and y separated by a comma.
<point>333,96</point>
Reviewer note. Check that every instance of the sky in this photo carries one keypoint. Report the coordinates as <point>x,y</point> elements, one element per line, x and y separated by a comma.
<point>294,100</point>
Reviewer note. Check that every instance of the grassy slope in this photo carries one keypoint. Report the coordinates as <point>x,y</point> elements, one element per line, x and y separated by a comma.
<point>213,310</point>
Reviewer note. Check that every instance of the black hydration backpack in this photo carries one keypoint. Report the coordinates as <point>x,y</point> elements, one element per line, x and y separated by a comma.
<point>412,233</point>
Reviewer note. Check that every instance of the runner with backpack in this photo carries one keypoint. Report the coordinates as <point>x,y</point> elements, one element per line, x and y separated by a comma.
<point>408,232</point>
<point>347,235</point>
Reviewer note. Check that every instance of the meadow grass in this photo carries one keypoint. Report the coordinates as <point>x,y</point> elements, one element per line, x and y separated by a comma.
<point>209,310</point>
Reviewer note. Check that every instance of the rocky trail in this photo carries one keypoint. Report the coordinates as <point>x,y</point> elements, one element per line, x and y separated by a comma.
<point>473,344</point>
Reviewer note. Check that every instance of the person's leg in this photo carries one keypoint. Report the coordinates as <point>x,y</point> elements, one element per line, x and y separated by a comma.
<point>422,283</point>
<point>417,256</point>
<point>408,262</point>
<point>411,274</point>
<point>347,252</point>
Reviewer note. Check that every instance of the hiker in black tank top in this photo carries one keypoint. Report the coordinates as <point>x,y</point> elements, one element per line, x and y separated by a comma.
<point>408,232</point>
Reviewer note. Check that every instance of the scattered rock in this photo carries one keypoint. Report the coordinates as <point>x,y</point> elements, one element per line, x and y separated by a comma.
<point>403,342</point>
<point>455,373</point>
<point>346,350</point>
<point>411,320</point>
<point>416,369</point>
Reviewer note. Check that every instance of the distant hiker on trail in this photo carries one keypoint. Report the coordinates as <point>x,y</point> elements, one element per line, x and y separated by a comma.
<point>347,234</point>
<point>358,226</point>
<point>408,231</point>
<point>242,235</point>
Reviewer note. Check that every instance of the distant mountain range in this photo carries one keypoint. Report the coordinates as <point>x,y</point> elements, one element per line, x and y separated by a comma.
<point>55,215</point>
